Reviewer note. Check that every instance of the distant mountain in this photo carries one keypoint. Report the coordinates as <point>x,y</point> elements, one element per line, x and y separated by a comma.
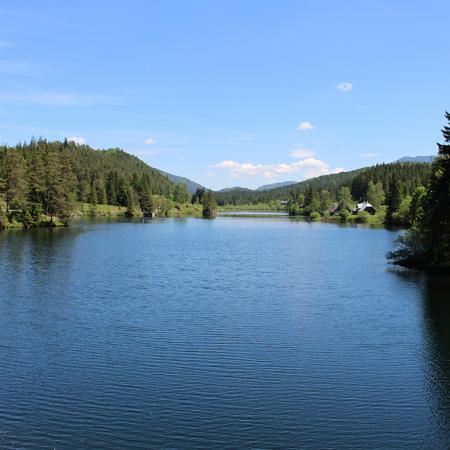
<point>410,175</point>
<point>267,187</point>
<point>234,188</point>
<point>416,159</point>
<point>192,186</point>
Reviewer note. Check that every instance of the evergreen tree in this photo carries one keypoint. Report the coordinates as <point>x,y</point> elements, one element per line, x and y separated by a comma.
<point>345,199</point>
<point>16,187</point>
<point>209,204</point>
<point>36,177</point>
<point>197,197</point>
<point>180,194</point>
<point>427,244</point>
<point>393,200</point>
<point>53,182</point>
<point>93,199</point>
<point>436,223</point>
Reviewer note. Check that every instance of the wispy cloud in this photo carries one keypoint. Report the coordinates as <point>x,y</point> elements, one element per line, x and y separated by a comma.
<point>56,99</point>
<point>392,125</point>
<point>345,86</point>
<point>302,153</point>
<point>309,167</point>
<point>77,140</point>
<point>149,141</point>
<point>305,126</point>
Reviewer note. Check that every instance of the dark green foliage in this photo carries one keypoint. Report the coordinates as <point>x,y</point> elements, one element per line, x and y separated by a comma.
<point>427,244</point>
<point>409,175</point>
<point>197,197</point>
<point>209,204</point>
<point>393,200</point>
<point>345,200</point>
<point>375,194</point>
<point>181,194</point>
<point>50,177</point>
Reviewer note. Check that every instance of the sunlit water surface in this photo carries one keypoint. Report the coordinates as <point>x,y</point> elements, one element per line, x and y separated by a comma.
<point>237,332</point>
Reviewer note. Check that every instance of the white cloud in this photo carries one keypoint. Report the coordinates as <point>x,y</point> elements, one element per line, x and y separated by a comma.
<point>305,126</point>
<point>345,86</point>
<point>55,99</point>
<point>302,153</point>
<point>369,155</point>
<point>310,167</point>
<point>149,141</point>
<point>77,140</point>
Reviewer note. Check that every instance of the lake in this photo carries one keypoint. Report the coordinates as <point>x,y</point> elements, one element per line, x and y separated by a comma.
<point>237,333</point>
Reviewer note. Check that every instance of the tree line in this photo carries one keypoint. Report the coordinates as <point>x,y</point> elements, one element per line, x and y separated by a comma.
<point>41,180</point>
<point>426,245</point>
<point>325,189</point>
<point>390,188</point>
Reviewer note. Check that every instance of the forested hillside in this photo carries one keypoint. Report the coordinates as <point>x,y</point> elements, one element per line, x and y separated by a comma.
<point>48,178</point>
<point>408,175</point>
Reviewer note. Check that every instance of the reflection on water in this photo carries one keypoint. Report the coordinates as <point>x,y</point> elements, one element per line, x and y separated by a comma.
<point>253,214</point>
<point>237,332</point>
<point>435,302</point>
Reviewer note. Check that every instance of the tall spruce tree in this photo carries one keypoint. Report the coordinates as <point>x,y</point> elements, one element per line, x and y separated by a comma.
<point>16,186</point>
<point>436,224</point>
<point>393,200</point>
<point>427,244</point>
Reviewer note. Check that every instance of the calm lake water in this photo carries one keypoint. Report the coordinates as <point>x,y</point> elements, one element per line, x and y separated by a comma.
<point>238,332</point>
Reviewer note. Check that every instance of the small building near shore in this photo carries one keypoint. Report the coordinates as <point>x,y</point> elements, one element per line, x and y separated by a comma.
<point>364,206</point>
<point>334,209</point>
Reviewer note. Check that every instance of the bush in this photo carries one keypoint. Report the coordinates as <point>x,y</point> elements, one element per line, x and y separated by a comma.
<point>295,210</point>
<point>362,217</point>
<point>344,215</point>
<point>315,216</point>
<point>410,250</point>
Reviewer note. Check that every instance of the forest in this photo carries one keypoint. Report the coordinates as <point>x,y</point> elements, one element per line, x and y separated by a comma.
<point>426,243</point>
<point>43,183</point>
<point>389,188</point>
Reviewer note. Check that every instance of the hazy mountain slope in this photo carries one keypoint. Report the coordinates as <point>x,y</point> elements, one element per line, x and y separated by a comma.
<point>267,187</point>
<point>192,186</point>
<point>417,159</point>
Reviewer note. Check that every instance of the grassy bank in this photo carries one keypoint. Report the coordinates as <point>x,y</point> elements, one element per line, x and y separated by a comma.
<point>253,207</point>
<point>173,210</point>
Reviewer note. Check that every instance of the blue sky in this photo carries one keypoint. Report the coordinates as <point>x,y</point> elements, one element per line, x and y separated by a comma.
<point>229,92</point>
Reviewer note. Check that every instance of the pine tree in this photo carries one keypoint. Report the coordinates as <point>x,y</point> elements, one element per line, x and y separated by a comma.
<point>180,194</point>
<point>437,220</point>
<point>15,180</point>
<point>209,204</point>
<point>427,244</point>
<point>36,177</point>
<point>53,182</point>
<point>393,200</point>
<point>345,199</point>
